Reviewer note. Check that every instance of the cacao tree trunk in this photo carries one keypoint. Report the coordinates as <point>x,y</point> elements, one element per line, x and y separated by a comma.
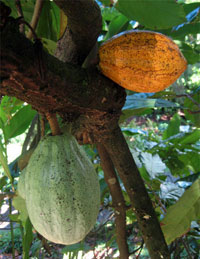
<point>117,200</point>
<point>123,161</point>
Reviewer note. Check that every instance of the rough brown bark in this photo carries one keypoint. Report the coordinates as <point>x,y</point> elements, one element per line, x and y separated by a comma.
<point>117,200</point>
<point>84,24</point>
<point>66,89</point>
<point>119,152</point>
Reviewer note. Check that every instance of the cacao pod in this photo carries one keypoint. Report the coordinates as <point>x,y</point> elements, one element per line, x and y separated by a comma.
<point>141,61</point>
<point>62,190</point>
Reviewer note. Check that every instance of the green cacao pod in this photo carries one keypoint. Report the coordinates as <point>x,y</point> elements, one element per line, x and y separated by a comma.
<point>62,190</point>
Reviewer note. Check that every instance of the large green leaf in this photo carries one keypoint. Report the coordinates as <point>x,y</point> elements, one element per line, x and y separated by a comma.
<point>191,159</point>
<point>20,205</point>
<point>186,29</point>
<point>139,104</point>
<point>153,164</point>
<point>3,161</point>
<point>153,14</point>
<point>19,122</point>
<point>191,138</point>
<point>190,53</point>
<point>190,7</point>
<point>135,102</point>
<point>27,8</point>
<point>173,127</point>
<point>117,25</point>
<point>8,106</point>
<point>27,238</point>
<point>109,14</point>
<point>179,216</point>
<point>49,25</point>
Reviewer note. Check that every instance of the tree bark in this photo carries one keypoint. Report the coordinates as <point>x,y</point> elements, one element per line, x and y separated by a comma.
<point>66,89</point>
<point>84,24</point>
<point>119,152</point>
<point>117,200</point>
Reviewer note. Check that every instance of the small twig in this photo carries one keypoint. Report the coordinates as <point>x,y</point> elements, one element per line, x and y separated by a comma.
<point>53,122</point>
<point>7,195</point>
<point>186,248</point>
<point>157,198</point>
<point>35,18</point>
<point>137,249</point>
<point>189,97</point>
<point>42,125</point>
<point>29,134</point>
<point>11,230</point>
<point>44,243</point>
<point>22,21</point>
<point>20,13</point>
<point>194,112</point>
<point>117,200</point>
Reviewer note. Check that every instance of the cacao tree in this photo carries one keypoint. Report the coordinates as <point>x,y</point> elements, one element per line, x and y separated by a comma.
<point>50,60</point>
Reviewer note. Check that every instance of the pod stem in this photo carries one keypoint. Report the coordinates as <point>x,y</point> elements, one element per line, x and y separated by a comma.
<point>53,122</point>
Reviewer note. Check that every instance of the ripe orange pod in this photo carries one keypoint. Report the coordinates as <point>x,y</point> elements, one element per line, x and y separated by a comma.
<point>141,61</point>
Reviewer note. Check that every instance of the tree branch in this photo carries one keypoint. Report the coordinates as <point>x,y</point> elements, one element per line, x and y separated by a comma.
<point>35,18</point>
<point>84,24</point>
<point>117,201</point>
<point>65,89</point>
<point>119,152</point>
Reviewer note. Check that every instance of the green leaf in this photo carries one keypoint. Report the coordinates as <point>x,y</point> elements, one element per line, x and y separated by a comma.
<point>185,30</point>
<point>129,113</point>
<point>109,14</point>
<point>49,22</point>
<point>180,215</point>
<point>14,217</point>
<point>19,122</point>
<point>134,102</point>
<point>191,160</point>
<point>191,138</point>
<point>50,45</point>
<point>117,25</point>
<point>173,127</point>
<point>20,205</point>
<point>153,164</point>
<point>190,53</point>
<point>27,238</point>
<point>4,164</point>
<point>105,2</point>
<point>9,106</point>
<point>190,7</point>
<point>81,246</point>
<point>3,181</point>
<point>153,14</point>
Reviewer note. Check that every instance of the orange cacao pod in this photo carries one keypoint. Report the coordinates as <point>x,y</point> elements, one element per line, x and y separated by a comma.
<point>141,61</point>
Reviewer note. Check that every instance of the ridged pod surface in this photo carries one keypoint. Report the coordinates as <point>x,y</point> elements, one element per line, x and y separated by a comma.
<point>62,190</point>
<point>141,61</point>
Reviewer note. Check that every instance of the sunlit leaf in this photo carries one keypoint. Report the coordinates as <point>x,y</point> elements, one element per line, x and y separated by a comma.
<point>153,14</point>
<point>173,127</point>
<point>179,216</point>
<point>19,122</point>
<point>153,164</point>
